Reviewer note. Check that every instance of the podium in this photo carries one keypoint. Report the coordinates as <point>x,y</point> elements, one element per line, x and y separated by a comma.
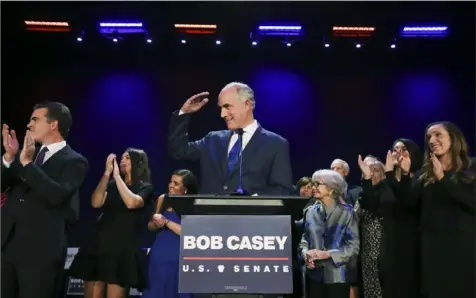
<point>238,205</point>
<point>237,245</point>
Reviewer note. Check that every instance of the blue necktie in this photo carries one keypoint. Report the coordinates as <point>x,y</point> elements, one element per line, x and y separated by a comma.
<point>234,155</point>
<point>41,156</point>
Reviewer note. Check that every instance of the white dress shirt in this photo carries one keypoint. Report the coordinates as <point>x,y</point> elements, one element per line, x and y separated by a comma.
<point>52,149</point>
<point>248,132</point>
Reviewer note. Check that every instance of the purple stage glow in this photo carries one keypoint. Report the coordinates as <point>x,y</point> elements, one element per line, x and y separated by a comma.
<point>424,31</point>
<point>121,30</point>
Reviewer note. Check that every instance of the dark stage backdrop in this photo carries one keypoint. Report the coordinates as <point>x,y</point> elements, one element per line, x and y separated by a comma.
<point>333,104</point>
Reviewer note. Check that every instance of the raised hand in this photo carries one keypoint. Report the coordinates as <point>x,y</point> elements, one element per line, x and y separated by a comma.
<point>109,164</point>
<point>28,151</point>
<point>405,162</point>
<point>115,170</point>
<point>395,156</point>
<point>10,142</point>
<point>364,168</point>
<point>437,167</point>
<point>390,161</point>
<point>195,103</point>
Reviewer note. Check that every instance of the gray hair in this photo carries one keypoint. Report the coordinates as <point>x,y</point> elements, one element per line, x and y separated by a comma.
<point>333,180</point>
<point>244,92</point>
<point>344,164</point>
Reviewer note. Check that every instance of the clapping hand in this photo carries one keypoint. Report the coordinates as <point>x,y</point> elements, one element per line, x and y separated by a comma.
<point>391,161</point>
<point>159,219</point>
<point>10,142</point>
<point>28,151</point>
<point>437,167</point>
<point>195,103</point>
<point>109,164</point>
<point>365,168</point>
<point>115,171</point>
<point>405,162</point>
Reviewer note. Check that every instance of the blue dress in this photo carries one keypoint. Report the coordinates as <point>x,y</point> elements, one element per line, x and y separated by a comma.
<point>163,277</point>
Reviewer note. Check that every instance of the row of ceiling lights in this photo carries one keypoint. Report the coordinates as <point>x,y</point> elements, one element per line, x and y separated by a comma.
<point>253,43</point>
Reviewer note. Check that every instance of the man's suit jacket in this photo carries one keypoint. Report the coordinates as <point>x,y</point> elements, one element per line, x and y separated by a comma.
<point>266,168</point>
<point>42,202</point>
<point>353,194</point>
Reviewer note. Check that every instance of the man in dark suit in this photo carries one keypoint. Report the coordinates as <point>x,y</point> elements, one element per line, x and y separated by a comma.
<point>266,168</point>
<point>42,202</point>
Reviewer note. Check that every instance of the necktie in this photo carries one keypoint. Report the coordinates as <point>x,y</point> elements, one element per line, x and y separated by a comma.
<point>40,158</point>
<point>233,156</point>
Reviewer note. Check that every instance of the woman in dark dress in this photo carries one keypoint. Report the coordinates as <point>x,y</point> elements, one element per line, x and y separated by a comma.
<point>370,229</point>
<point>445,191</point>
<point>163,276</point>
<point>109,263</point>
<point>397,257</point>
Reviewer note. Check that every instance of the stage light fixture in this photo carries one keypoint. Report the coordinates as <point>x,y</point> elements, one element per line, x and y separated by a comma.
<point>358,46</point>
<point>183,41</point>
<point>218,42</point>
<point>47,26</point>
<point>121,24</point>
<point>393,46</point>
<point>353,31</point>
<point>280,30</point>
<point>107,28</point>
<point>198,29</point>
<point>327,45</point>
<point>148,40</point>
<point>424,31</point>
<point>254,43</point>
<point>115,40</point>
<point>286,33</point>
<point>79,39</point>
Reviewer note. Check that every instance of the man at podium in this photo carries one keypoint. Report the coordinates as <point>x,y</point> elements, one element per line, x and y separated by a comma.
<point>245,159</point>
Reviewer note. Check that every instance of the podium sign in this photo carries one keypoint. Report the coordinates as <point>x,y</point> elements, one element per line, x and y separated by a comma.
<point>246,254</point>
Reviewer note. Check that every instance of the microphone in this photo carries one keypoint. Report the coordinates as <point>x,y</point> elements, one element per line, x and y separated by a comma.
<point>239,189</point>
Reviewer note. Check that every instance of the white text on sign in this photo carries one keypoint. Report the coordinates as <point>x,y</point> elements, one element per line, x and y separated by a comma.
<point>235,242</point>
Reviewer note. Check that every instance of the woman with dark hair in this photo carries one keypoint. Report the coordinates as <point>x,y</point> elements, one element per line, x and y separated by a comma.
<point>164,253</point>
<point>109,262</point>
<point>400,146</point>
<point>304,187</point>
<point>397,256</point>
<point>445,192</point>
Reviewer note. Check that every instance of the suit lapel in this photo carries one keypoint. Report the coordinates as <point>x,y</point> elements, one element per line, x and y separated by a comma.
<point>222,154</point>
<point>57,156</point>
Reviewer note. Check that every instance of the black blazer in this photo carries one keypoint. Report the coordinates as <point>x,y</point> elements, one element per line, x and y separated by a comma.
<point>42,202</point>
<point>266,162</point>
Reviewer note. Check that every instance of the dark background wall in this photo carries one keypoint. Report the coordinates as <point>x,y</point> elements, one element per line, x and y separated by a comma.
<point>329,103</point>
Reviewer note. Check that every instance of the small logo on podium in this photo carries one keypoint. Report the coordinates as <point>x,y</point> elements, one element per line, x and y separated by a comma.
<point>221,268</point>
